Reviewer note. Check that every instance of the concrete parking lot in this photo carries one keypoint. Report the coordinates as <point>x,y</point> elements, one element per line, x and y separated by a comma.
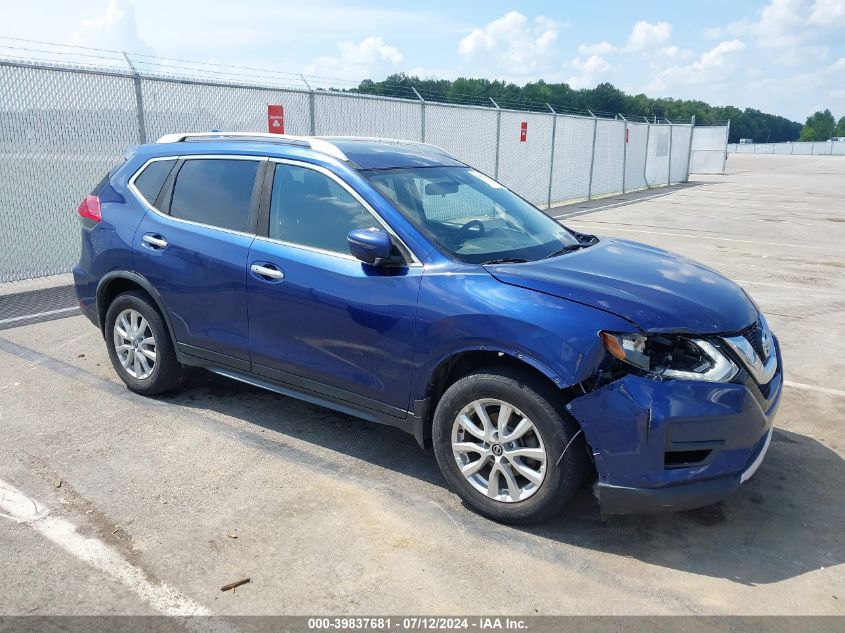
<point>151,505</point>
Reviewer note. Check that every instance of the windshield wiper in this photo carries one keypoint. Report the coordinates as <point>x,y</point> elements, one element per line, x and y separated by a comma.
<point>567,249</point>
<point>505,260</point>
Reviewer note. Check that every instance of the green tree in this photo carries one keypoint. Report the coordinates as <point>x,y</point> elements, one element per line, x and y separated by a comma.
<point>604,99</point>
<point>819,127</point>
<point>808,133</point>
<point>840,128</point>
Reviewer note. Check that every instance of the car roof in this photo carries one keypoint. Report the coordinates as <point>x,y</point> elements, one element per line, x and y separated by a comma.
<point>359,152</point>
<point>375,153</point>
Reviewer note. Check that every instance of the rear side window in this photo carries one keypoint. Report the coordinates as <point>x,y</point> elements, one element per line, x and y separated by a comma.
<point>151,180</point>
<point>311,209</point>
<point>215,192</point>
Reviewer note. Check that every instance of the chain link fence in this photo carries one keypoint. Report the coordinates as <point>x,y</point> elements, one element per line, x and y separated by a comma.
<point>797,148</point>
<point>63,127</point>
<point>708,149</point>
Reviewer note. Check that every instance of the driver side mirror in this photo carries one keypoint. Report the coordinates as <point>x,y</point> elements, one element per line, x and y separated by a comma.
<point>371,246</point>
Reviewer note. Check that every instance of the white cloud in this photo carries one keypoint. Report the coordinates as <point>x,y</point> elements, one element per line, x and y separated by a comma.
<point>829,13</point>
<point>589,71</point>
<point>602,48</point>
<point>115,30</point>
<point>714,66</point>
<point>369,57</point>
<point>783,23</point>
<point>514,43</point>
<point>645,35</point>
<point>792,32</point>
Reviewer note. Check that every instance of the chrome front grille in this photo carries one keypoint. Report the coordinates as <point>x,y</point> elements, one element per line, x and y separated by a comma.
<point>755,347</point>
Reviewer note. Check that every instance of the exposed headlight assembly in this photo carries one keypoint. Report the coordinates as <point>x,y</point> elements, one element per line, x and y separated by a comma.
<point>671,356</point>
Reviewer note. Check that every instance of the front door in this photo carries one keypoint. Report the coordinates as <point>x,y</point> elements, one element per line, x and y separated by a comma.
<point>319,318</point>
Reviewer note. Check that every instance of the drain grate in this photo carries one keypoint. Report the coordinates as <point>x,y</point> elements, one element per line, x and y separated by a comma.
<point>35,306</point>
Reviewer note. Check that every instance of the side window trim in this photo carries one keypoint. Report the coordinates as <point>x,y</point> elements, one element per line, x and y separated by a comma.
<point>264,211</point>
<point>162,202</point>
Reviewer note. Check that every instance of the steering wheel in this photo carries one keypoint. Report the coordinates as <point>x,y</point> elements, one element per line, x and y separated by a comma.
<point>463,232</point>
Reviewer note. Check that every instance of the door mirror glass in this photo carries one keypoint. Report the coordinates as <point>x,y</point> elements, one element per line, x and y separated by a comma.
<point>371,246</point>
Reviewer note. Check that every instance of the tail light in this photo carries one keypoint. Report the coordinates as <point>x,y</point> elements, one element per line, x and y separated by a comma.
<point>90,208</point>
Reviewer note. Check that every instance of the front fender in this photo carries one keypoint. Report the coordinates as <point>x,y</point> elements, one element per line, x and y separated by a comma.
<point>471,310</point>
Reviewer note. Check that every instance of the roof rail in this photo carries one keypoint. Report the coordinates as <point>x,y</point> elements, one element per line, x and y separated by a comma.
<point>395,141</point>
<point>317,144</point>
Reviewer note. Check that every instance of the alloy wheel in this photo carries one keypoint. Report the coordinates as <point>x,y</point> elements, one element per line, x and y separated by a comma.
<point>134,344</point>
<point>498,450</point>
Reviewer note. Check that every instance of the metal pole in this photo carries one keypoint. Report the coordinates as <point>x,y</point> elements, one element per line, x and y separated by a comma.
<point>422,114</point>
<point>139,100</point>
<point>645,162</point>
<point>669,175</point>
<point>624,152</point>
<point>311,107</point>
<point>727,136</point>
<point>592,156</point>
<point>552,157</point>
<point>689,151</point>
<point>498,137</point>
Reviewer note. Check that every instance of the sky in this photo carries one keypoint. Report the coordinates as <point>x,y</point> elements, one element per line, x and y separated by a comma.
<point>780,56</point>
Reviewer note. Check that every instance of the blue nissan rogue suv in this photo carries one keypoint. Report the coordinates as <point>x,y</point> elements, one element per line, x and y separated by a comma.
<point>390,281</point>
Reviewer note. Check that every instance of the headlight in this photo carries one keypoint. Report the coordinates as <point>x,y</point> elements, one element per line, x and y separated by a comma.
<point>671,356</point>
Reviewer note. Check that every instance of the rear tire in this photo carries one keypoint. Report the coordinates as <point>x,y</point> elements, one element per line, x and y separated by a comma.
<point>140,347</point>
<point>505,467</point>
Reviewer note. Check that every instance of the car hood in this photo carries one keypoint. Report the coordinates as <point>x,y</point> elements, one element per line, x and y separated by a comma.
<point>655,289</point>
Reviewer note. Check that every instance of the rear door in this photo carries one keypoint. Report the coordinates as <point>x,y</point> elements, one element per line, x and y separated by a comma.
<point>192,245</point>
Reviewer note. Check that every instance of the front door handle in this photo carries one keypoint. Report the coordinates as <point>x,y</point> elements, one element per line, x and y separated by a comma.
<point>267,271</point>
<point>155,241</point>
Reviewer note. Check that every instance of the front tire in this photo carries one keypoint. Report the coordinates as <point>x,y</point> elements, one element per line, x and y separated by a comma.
<point>140,347</point>
<point>497,436</point>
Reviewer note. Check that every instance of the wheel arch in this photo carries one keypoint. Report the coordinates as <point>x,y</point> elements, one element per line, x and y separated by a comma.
<point>117,282</point>
<point>462,362</point>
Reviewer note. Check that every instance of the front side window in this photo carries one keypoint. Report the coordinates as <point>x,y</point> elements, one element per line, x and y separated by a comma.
<point>215,191</point>
<point>311,209</point>
<point>470,215</point>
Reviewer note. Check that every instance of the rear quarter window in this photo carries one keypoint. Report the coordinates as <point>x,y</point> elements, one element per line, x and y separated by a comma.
<point>151,179</point>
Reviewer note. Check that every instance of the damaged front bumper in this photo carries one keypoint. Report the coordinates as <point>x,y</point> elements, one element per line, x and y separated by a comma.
<point>669,445</point>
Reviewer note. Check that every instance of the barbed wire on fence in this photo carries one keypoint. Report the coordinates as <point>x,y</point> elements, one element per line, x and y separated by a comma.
<point>93,58</point>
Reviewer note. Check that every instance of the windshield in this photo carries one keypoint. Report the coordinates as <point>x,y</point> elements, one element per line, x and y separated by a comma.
<point>470,215</point>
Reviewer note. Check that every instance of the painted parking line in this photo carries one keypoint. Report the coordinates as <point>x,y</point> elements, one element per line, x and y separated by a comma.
<point>611,206</point>
<point>17,506</point>
<point>783,286</point>
<point>614,223</point>
<point>707,237</point>
<point>37,315</point>
<point>699,216</point>
<point>816,388</point>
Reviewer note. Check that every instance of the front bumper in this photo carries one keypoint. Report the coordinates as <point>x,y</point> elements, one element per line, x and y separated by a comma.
<point>622,500</point>
<point>675,445</point>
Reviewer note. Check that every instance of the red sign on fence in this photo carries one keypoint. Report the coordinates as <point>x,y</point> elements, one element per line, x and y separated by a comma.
<point>627,136</point>
<point>523,132</point>
<point>276,119</point>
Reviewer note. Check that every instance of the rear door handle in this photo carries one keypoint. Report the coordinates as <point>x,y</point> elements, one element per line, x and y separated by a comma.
<point>154,241</point>
<point>267,271</point>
